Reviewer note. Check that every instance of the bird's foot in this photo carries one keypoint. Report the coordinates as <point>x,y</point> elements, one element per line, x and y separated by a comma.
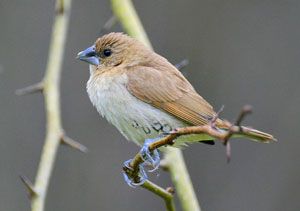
<point>139,179</point>
<point>151,158</point>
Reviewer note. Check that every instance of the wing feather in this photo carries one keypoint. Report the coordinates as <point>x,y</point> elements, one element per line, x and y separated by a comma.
<point>168,90</point>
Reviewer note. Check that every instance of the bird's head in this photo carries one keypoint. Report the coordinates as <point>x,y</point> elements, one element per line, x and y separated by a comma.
<point>114,49</point>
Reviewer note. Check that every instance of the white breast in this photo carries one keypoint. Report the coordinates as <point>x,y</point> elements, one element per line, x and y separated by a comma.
<point>135,119</point>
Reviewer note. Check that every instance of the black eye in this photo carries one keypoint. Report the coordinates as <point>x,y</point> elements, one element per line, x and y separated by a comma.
<point>107,52</point>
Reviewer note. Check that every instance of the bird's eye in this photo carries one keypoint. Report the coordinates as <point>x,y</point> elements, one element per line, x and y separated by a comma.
<point>107,52</point>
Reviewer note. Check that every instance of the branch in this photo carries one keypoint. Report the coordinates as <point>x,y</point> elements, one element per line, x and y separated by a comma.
<point>167,194</point>
<point>50,89</point>
<point>181,180</point>
<point>126,14</point>
<point>174,161</point>
<point>208,129</point>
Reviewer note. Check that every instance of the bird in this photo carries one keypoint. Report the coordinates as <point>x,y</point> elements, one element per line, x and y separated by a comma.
<point>143,95</point>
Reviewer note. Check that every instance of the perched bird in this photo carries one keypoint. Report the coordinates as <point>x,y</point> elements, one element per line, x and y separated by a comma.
<point>143,95</point>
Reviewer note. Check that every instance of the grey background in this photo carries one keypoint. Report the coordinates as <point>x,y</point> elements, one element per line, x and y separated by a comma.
<point>240,52</point>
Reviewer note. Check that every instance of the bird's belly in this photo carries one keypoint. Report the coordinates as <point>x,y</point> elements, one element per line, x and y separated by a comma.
<point>135,119</point>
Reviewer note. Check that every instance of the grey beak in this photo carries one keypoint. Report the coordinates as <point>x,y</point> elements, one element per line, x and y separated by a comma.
<point>89,55</point>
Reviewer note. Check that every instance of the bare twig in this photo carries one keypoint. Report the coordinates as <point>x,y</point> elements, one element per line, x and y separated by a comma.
<point>209,129</point>
<point>50,87</point>
<point>247,109</point>
<point>166,194</point>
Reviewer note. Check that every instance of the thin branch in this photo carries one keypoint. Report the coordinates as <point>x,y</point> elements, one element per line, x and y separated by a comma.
<point>129,19</point>
<point>50,87</point>
<point>52,102</point>
<point>181,180</point>
<point>208,129</point>
<point>126,14</point>
<point>165,194</point>
<point>172,160</point>
<point>247,109</point>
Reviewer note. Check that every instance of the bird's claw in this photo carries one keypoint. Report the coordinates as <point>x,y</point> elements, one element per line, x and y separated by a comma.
<point>150,158</point>
<point>131,181</point>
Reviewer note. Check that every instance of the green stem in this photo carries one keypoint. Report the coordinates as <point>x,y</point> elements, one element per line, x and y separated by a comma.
<point>125,12</point>
<point>181,179</point>
<point>168,197</point>
<point>52,104</point>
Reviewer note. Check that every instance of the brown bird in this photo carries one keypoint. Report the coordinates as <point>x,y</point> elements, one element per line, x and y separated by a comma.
<point>142,94</point>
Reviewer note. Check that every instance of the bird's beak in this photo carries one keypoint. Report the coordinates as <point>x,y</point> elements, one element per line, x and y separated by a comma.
<point>89,55</point>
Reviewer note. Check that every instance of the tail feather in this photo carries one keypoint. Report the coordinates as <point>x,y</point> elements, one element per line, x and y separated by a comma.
<point>256,135</point>
<point>247,132</point>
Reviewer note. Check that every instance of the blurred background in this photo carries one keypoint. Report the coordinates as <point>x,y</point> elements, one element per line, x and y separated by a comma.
<point>240,52</point>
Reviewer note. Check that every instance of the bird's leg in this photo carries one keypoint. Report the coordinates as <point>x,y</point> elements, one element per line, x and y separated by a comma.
<point>136,177</point>
<point>150,157</point>
<point>132,178</point>
<point>134,173</point>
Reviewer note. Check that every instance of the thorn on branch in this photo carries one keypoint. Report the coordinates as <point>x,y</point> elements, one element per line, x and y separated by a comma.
<point>247,109</point>
<point>182,64</point>
<point>228,151</point>
<point>29,186</point>
<point>164,165</point>
<point>38,87</point>
<point>170,190</point>
<point>214,119</point>
<point>108,25</point>
<point>60,7</point>
<point>74,144</point>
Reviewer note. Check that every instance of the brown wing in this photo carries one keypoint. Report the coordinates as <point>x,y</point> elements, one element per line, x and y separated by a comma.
<point>168,90</point>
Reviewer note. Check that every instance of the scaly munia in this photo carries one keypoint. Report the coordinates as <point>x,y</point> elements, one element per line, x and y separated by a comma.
<point>143,95</point>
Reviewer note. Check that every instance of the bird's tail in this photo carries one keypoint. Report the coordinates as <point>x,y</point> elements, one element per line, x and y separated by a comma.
<point>256,135</point>
<point>247,132</point>
<point>224,126</point>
